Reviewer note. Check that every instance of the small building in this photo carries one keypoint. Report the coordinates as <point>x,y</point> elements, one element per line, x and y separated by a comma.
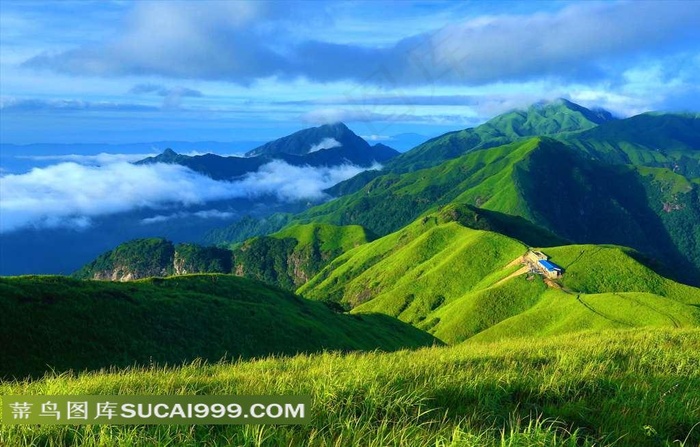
<point>536,256</point>
<point>550,269</point>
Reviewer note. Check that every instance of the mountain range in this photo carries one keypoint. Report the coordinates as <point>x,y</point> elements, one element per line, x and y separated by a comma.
<point>614,202</point>
<point>326,145</point>
<point>640,172</point>
<point>63,250</point>
<point>439,237</point>
<point>545,264</point>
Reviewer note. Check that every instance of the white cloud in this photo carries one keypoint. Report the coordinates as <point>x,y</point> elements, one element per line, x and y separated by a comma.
<point>289,183</point>
<point>326,143</point>
<point>244,42</point>
<point>204,214</point>
<point>333,115</point>
<point>104,158</point>
<point>619,103</point>
<point>377,137</point>
<point>70,194</point>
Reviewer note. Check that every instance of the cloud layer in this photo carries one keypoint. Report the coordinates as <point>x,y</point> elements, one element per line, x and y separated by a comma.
<point>103,158</point>
<point>243,42</point>
<point>69,194</point>
<point>69,105</point>
<point>204,214</point>
<point>172,96</point>
<point>326,143</point>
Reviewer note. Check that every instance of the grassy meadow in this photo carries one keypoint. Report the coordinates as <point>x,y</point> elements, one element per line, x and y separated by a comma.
<point>634,388</point>
<point>58,323</point>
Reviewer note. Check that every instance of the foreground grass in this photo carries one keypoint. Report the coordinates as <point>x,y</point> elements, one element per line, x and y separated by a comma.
<point>622,388</point>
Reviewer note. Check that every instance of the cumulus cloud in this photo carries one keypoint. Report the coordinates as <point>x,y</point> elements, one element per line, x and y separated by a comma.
<point>70,195</point>
<point>243,42</point>
<point>326,143</point>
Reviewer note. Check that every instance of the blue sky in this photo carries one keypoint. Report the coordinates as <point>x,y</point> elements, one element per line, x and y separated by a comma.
<point>120,71</point>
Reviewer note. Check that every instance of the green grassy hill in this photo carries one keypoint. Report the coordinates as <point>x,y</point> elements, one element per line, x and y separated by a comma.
<point>246,228</point>
<point>542,119</point>
<point>292,256</point>
<point>641,172</point>
<point>394,200</point>
<point>624,388</point>
<point>552,186</point>
<point>456,282</point>
<point>285,259</point>
<point>651,139</point>
<point>58,323</point>
<point>655,140</point>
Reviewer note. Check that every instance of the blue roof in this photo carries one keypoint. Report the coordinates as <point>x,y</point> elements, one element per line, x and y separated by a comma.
<point>550,266</point>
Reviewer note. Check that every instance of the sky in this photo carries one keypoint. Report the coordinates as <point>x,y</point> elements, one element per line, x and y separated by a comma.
<point>126,72</point>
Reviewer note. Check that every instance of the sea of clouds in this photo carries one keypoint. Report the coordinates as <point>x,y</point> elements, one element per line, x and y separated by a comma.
<point>70,194</point>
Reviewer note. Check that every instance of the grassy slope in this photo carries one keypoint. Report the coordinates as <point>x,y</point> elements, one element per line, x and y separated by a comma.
<point>435,256</point>
<point>455,282</point>
<point>549,185</point>
<point>292,256</point>
<point>599,269</point>
<point>604,287</point>
<point>624,388</point>
<point>328,238</point>
<point>653,140</point>
<point>654,210</point>
<point>64,324</point>
<point>554,118</point>
<point>392,201</point>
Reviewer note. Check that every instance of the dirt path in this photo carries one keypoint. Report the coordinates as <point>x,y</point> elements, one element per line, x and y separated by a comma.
<point>520,271</point>
<point>516,261</point>
<point>551,284</point>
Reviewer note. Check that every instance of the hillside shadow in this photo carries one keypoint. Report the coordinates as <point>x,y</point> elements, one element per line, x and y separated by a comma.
<point>594,203</point>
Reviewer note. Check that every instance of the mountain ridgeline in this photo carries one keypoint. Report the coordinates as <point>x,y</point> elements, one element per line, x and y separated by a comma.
<point>568,186</point>
<point>640,173</point>
<point>542,119</point>
<point>286,259</point>
<point>650,139</point>
<point>155,257</point>
<point>555,249</point>
<point>327,145</point>
<point>457,283</point>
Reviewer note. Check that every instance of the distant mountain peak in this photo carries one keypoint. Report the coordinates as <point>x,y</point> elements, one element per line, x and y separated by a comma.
<point>308,140</point>
<point>596,115</point>
<point>336,125</point>
<point>382,146</point>
<point>547,118</point>
<point>167,156</point>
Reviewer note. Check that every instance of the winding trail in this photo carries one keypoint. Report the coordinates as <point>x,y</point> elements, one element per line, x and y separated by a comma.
<point>518,272</point>
<point>589,307</point>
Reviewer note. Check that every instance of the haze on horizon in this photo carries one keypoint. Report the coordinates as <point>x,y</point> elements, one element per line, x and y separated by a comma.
<point>118,72</point>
